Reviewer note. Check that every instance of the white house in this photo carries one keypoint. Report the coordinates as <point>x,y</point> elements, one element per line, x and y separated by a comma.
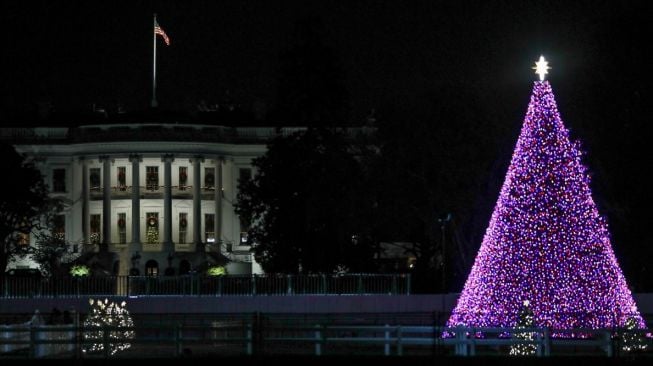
<point>151,197</point>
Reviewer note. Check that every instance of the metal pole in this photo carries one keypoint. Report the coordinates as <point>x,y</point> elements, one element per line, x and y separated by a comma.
<point>154,102</point>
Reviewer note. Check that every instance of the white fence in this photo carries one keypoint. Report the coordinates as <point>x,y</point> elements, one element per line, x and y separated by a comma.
<point>38,339</point>
<point>251,338</point>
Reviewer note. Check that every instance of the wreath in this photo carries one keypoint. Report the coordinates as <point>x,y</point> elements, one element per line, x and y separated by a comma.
<point>121,223</point>
<point>151,222</point>
<point>183,222</point>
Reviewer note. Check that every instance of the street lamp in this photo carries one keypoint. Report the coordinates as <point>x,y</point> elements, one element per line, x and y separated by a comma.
<point>443,222</point>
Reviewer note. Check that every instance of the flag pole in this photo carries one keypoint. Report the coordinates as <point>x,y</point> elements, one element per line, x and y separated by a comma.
<point>154,102</point>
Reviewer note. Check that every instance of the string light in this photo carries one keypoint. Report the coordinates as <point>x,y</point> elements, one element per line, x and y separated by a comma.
<point>546,240</point>
<point>107,314</point>
<point>525,321</point>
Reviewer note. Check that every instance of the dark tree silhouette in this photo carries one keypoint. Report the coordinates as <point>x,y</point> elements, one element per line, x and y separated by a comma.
<point>435,161</point>
<point>309,205</point>
<point>24,201</point>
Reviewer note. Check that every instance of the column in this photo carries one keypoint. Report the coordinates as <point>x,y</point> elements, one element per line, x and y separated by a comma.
<point>218,198</point>
<point>197,203</point>
<point>106,203</point>
<point>167,159</point>
<point>136,203</point>
<point>85,201</point>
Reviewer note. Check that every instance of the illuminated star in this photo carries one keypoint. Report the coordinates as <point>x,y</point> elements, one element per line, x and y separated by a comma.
<point>541,67</point>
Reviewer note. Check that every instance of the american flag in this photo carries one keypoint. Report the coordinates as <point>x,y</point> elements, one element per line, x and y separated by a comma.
<point>158,30</point>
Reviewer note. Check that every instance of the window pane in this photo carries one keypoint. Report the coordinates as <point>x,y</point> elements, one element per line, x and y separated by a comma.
<point>94,179</point>
<point>209,178</point>
<point>59,180</point>
<point>209,228</point>
<point>152,178</point>
<point>122,228</point>
<point>122,177</point>
<point>59,227</point>
<point>183,177</point>
<point>183,226</point>
<point>95,229</point>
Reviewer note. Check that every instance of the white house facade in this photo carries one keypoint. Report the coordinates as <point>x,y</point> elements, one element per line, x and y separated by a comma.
<point>156,198</point>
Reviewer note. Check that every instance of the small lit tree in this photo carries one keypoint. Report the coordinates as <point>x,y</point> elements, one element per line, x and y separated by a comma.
<point>632,340</point>
<point>107,315</point>
<point>525,321</point>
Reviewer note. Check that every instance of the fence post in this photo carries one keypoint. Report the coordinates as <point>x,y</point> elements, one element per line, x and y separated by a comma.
<point>394,284</point>
<point>386,345</point>
<point>248,339</point>
<point>360,283</point>
<point>607,343</point>
<point>400,346</point>
<point>289,284</point>
<point>220,285</point>
<point>461,342</point>
<point>253,284</point>
<point>472,344</point>
<point>547,342</point>
<point>318,341</point>
<point>178,340</point>
<point>32,341</point>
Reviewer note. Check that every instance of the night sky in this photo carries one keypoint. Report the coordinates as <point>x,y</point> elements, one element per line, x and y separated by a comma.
<point>76,53</point>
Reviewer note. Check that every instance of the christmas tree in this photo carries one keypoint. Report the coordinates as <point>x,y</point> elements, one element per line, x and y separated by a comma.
<point>525,321</point>
<point>112,318</point>
<point>546,240</point>
<point>633,340</point>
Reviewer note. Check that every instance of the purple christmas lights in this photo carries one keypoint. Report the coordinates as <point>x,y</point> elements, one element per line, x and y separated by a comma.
<point>546,241</point>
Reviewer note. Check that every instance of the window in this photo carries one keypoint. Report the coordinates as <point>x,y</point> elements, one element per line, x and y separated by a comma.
<point>209,179</point>
<point>152,227</point>
<point>183,225</point>
<point>95,229</point>
<point>151,268</point>
<point>209,228</point>
<point>244,227</point>
<point>94,179</point>
<point>59,180</point>
<point>23,239</point>
<point>183,177</point>
<point>122,178</point>
<point>152,178</point>
<point>59,227</point>
<point>122,228</point>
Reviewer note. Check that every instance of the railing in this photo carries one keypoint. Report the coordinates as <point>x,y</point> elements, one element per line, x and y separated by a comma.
<point>194,285</point>
<point>252,336</point>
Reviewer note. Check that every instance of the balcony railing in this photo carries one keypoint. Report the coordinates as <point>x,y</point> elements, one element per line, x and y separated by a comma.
<point>195,285</point>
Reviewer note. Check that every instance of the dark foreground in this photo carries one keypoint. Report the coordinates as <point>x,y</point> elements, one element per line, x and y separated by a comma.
<point>350,360</point>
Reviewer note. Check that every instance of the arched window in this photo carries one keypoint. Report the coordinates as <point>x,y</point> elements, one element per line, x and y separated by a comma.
<point>184,267</point>
<point>152,268</point>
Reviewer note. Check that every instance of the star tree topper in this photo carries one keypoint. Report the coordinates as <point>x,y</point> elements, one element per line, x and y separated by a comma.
<point>541,67</point>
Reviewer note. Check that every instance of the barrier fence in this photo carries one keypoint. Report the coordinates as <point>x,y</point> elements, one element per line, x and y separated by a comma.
<point>193,285</point>
<point>253,336</point>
